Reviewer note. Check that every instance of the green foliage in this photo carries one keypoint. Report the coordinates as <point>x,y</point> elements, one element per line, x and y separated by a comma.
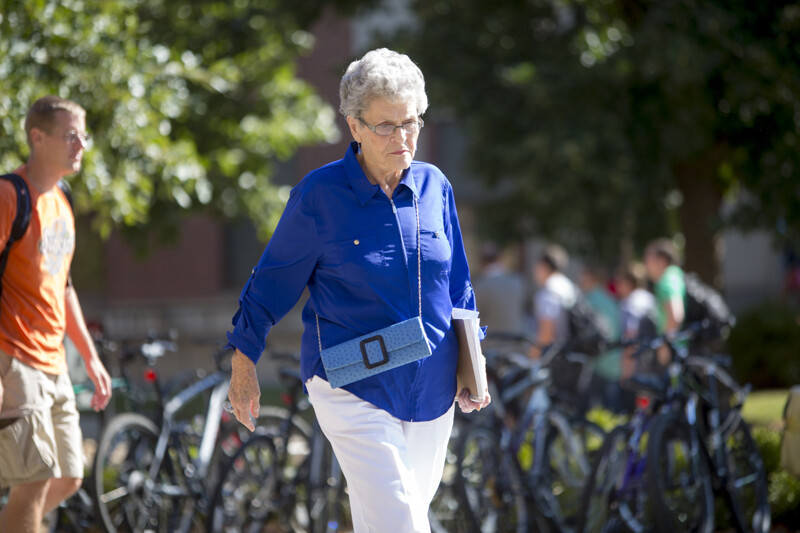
<point>191,103</point>
<point>764,347</point>
<point>784,490</point>
<point>605,419</point>
<point>585,114</point>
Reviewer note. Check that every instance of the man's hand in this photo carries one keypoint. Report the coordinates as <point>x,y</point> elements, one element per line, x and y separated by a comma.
<point>102,382</point>
<point>244,393</point>
<point>467,405</point>
<point>534,352</point>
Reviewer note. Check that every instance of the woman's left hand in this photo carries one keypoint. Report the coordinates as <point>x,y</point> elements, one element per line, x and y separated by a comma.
<point>467,405</point>
<point>244,392</point>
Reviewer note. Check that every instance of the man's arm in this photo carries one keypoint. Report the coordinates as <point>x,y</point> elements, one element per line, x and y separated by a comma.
<point>545,337</point>
<point>674,312</point>
<point>82,339</point>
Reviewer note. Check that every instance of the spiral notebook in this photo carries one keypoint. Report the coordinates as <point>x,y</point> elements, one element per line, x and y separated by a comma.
<point>471,362</point>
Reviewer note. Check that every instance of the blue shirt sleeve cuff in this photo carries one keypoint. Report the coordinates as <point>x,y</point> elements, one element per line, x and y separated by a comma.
<point>237,343</point>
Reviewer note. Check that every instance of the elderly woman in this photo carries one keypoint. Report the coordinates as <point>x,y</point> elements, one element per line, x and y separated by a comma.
<point>376,239</point>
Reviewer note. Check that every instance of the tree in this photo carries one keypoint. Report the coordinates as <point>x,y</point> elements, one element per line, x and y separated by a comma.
<point>191,104</point>
<point>603,121</point>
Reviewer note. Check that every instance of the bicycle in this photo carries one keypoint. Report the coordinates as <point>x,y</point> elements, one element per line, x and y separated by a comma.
<point>691,453</point>
<point>525,464</point>
<point>79,512</point>
<point>445,514</point>
<point>615,495</point>
<point>158,478</point>
<point>287,476</point>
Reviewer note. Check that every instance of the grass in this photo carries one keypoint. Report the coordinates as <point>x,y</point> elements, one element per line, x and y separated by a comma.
<point>765,408</point>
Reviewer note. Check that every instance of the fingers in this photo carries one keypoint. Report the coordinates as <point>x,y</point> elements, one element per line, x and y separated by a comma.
<point>245,409</point>
<point>465,403</point>
<point>242,414</point>
<point>102,390</point>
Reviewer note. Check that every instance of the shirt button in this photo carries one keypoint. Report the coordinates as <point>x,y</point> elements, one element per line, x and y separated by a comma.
<point>356,242</point>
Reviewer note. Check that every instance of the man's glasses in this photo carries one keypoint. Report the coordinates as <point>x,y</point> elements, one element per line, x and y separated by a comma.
<point>73,136</point>
<point>386,129</point>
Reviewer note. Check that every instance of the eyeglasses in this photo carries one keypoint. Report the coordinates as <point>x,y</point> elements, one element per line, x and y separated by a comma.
<point>386,129</point>
<point>72,137</point>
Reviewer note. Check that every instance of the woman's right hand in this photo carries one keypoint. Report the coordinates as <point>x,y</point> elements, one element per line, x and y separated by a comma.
<point>244,393</point>
<point>468,405</point>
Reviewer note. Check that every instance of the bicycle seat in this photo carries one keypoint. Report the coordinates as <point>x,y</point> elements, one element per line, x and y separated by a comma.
<point>649,384</point>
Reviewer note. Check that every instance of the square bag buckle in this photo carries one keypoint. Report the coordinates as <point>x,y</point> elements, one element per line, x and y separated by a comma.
<point>363,344</point>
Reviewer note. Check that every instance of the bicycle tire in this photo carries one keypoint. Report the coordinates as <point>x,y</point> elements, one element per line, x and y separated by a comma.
<point>244,499</point>
<point>123,501</point>
<point>444,513</point>
<point>233,434</point>
<point>685,502</point>
<point>746,488</point>
<point>489,484</point>
<point>560,476</point>
<point>601,499</point>
<point>328,501</point>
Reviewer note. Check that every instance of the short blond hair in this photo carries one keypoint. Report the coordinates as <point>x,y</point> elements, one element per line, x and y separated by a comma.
<point>42,114</point>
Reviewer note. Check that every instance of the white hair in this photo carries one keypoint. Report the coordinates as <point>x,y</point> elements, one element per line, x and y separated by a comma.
<point>381,73</point>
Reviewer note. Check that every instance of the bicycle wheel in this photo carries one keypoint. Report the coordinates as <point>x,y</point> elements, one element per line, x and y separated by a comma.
<point>489,485</point>
<point>445,514</point>
<point>126,499</point>
<point>678,479</point>
<point>566,467</point>
<point>245,498</point>
<point>328,501</point>
<point>613,498</point>
<point>270,419</point>
<point>598,492</point>
<point>746,489</point>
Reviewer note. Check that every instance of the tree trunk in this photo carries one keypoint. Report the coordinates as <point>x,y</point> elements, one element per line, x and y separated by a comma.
<point>702,199</point>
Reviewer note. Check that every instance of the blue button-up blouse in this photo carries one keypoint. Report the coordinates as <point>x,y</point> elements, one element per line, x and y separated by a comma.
<point>355,250</point>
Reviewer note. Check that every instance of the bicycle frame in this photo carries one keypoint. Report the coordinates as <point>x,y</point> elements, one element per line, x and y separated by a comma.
<point>198,469</point>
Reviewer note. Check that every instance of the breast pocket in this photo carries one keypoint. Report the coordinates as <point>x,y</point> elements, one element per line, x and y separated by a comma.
<point>358,257</point>
<point>436,253</point>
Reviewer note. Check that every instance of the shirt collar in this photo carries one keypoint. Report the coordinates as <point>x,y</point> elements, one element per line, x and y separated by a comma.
<point>358,180</point>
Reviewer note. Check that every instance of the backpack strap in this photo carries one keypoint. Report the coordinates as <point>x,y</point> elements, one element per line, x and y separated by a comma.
<point>21,221</point>
<point>67,190</point>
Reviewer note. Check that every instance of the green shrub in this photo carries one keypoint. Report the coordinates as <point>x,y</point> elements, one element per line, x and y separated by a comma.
<point>784,490</point>
<point>764,346</point>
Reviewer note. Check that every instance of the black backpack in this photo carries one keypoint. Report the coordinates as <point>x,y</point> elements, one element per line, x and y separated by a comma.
<point>23,217</point>
<point>588,332</point>
<point>703,302</point>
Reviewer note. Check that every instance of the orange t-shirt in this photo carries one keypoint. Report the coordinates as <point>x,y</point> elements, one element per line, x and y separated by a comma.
<point>32,314</point>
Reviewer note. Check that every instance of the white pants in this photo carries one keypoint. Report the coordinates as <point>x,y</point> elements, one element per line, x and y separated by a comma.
<point>392,467</point>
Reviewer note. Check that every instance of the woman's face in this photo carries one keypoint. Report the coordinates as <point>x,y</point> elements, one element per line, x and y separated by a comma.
<point>391,154</point>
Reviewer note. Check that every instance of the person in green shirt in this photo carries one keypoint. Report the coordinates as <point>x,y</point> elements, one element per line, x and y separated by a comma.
<point>661,262</point>
<point>605,383</point>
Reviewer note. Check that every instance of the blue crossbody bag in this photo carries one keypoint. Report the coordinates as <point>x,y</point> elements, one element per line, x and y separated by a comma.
<point>381,350</point>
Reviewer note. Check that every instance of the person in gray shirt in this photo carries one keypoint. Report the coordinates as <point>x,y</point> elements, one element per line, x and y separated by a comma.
<point>556,295</point>
<point>501,292</point>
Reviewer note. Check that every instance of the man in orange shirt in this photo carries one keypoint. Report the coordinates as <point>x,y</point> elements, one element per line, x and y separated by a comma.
<point>41,455</point>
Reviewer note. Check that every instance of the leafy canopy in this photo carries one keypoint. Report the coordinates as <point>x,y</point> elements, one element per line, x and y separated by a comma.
<point>583,114</point>
<point>191,104</point>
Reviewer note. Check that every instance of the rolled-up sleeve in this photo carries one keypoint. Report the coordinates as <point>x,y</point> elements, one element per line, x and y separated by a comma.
<point>278,280</point>
<point>461,294</point>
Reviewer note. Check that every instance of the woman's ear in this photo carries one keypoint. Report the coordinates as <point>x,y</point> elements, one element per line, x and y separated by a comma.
<point>354,129</point>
